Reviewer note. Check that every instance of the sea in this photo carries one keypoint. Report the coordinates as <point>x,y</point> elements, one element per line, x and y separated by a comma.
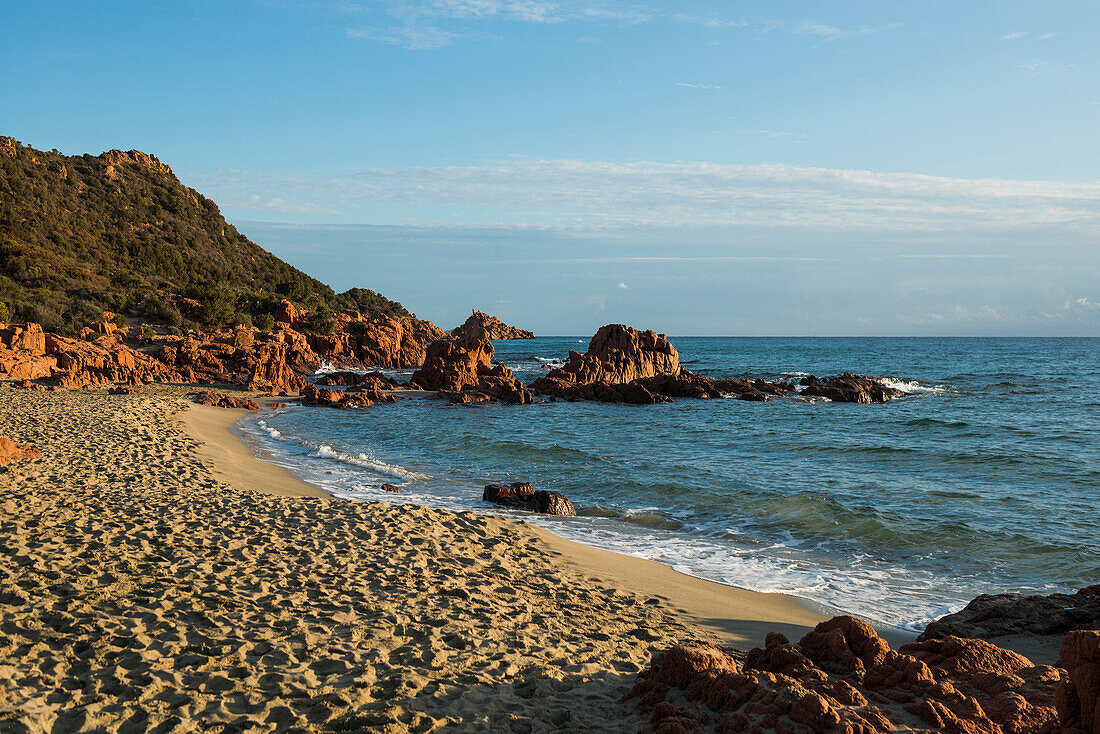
<point>984,478</point>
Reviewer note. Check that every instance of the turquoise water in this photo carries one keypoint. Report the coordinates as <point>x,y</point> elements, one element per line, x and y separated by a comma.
<point>985,478</point>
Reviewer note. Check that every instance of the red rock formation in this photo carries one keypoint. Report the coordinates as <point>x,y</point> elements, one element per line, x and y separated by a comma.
<point>329,398</point>
<point>102,362</point>
<point>993,615</point>
<point>11,451</point>
<point>522,496</point>
<point>619,354</point>
<point>842,677</point>
<point>491,326</point>
<point>221,400</point>
<point>23,352</point>
<point>465,368</point>
<point>370,380</point>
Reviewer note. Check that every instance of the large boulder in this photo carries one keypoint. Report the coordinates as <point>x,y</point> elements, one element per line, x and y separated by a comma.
<point>222,400</point>
<point>492,327</point>
<point>619,354</point>
<point>843,677</point>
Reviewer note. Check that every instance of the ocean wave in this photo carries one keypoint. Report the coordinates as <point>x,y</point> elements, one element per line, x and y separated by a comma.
<point>912,386</point>
<point>325,368</point>
<point>367,462</point>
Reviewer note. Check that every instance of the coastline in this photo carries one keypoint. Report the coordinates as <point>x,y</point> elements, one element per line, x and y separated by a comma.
<point>734,616</point>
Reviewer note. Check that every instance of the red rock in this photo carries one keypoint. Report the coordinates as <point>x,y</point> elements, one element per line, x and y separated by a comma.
<point>391,488</point>
<point>619,354</point>
<point>842,677</point>
<point>11,451</point>
<point>327,397</point>
<point>287,314</point>
<point>466,367</point>
<point>492,327</point>
<point>1078,699</point>
<point>221,400</point>
<point>124,390</point>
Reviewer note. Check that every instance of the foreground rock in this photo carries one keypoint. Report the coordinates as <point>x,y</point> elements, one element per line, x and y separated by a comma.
<point>842,677</point>
<point>996,615</point>
<point>463,371</point>
<point>11,451</point>
<point>522,496</point>
<point>491,326</point>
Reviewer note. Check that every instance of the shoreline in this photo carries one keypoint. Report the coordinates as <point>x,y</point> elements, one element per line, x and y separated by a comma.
<point>737,617</point>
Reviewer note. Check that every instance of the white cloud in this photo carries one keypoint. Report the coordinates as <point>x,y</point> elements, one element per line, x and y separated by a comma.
<point>1013,36</point>
<point>430,24</point>
<point>600,194</point>
<point>1039,66</point>
<point>624,286</point>
<point>692,85</point>
<point>1047,36</point>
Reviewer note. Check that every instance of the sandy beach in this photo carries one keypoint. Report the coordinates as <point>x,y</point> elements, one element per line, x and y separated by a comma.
<point>156,577</point>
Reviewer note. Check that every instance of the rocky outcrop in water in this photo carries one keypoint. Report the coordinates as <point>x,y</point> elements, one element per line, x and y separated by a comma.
<point>463,371</point>
<point>523,496</point>
<point>356,380</point>
<point>624,365</point>
<point>843,677</point>
<point>328,398</point>
<point>11,451</point>
<point>619,354</point>
<point>996,615</point>
<point>491,326</point>
<point>849,388</point>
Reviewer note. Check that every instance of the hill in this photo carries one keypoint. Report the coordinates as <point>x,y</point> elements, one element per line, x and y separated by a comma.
<point>84,234</point>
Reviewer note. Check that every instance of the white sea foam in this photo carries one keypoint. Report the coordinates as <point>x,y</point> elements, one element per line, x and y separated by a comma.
<point>367,462</point>
<point>325,368</point>
<point>912,386</point>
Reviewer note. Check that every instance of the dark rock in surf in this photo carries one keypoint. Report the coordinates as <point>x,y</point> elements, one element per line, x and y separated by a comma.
<point>849,388</point>
<point>522,496</point>
<point>995,615</point>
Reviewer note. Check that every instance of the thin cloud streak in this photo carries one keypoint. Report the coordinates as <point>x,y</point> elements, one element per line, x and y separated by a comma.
<point>598,194</point>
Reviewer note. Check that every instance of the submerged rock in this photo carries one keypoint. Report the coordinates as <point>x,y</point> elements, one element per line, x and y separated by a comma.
<point>522,496</point>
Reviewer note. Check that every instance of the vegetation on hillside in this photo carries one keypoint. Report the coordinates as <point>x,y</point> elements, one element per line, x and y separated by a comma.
<point>118,232</point>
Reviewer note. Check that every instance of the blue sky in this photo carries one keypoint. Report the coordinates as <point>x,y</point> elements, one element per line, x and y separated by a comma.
<point>693,167</point>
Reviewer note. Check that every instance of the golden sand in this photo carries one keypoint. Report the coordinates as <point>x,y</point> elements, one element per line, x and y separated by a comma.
<point>155,577</point>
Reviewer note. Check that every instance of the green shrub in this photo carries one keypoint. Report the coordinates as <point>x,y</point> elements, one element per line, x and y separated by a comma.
<point>264,322</point>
